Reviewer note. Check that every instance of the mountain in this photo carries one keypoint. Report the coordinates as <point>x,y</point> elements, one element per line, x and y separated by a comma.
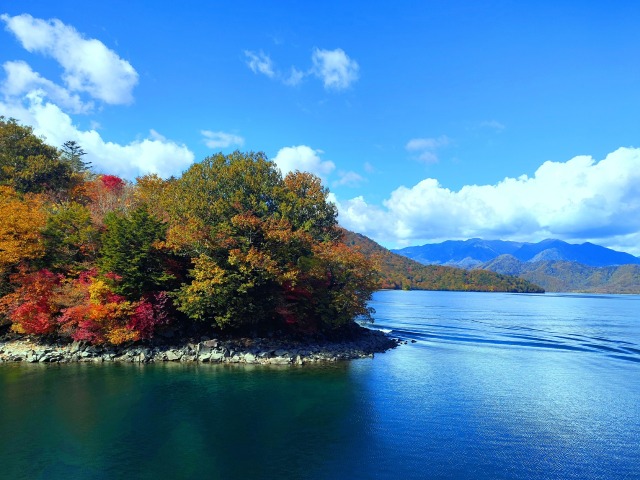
<point>464,254</point>
<point>398,272</point>
<point>476,252</point>
<point>565,276</point>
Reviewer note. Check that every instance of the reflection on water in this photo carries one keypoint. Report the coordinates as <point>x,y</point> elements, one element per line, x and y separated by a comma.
<point>496,386</point>
<point>171,421</point>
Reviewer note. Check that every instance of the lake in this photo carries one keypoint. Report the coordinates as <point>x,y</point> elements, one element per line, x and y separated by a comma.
<point>495,386</point>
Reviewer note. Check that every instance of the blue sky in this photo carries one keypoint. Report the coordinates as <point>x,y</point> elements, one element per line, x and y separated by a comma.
<point>427,120</point>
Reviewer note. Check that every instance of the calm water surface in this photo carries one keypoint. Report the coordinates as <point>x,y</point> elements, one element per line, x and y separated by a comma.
<point>495,386</point>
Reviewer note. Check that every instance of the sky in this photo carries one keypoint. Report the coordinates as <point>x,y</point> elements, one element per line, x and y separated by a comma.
<point>427,121</point>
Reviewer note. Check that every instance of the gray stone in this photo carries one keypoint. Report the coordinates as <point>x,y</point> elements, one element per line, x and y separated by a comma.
<point>216,357</point>
<point>173,355</point>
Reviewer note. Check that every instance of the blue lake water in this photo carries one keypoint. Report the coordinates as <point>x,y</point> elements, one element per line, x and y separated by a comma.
<point>495,386</point>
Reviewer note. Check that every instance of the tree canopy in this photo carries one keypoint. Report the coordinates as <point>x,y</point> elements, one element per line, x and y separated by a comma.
<point>229,245</point>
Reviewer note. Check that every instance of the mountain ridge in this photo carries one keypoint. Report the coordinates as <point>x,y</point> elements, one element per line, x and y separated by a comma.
<point>555,265</point>
<point>564,276</point>
<point>475,252</point>
<point>398,272</point>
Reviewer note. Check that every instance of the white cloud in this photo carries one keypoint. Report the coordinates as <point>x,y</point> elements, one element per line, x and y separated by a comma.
<point>89,66</point>
<point>425,148</point>
<point>154,154</point>
<point>303,158</point>
<point>578,200</point>
<point>221,139</point>
<point>260,63</point>
<point>295,77</point>
<point>21,79</point>
<point>335,68</point>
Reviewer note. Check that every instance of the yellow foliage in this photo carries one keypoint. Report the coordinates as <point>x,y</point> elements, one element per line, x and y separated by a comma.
<point>21,223</point>
<point>118,335</point>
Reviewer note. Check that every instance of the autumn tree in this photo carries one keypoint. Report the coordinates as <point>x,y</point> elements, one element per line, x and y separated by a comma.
<point>21,222</point>
<point>262,247</point>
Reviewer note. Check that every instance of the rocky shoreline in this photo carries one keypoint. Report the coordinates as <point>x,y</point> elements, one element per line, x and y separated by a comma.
<point>260,351</point>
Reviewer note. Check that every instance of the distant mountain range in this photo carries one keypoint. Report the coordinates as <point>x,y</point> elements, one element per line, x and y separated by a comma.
<point>398,272</point>
<point>475,252</point>
<point>553,264</point>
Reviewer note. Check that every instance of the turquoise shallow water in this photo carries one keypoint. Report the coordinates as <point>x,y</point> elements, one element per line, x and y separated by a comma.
<point>495,386</point>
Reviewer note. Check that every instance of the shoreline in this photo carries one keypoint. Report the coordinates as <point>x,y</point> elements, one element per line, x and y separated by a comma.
<point>252,351</point>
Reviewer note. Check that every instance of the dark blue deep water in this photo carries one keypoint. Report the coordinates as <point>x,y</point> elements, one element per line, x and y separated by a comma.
<point>495,386</point>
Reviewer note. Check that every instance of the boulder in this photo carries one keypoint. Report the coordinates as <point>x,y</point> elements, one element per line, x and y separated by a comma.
<point>173,355</point>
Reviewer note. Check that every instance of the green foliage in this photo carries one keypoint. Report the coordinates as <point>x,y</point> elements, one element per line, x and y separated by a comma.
<point>130,252</point>
<point>27,164</point>
<point>307,207</point>
<point>71,154</point>
<point>69,235</point>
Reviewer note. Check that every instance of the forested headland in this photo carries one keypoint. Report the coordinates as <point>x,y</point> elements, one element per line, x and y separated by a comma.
<point>231,245</point>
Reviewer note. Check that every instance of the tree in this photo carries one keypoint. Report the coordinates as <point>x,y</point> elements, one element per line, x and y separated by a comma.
<point>32,308</point>
<point>71,154</point>
<point>21,222</point>
<point>307,206</point>
<point>130,250</point>
<point>203,201</point>
<point>70,237</point>
<point>27,164</point>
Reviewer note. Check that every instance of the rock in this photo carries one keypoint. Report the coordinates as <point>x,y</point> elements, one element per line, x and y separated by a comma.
<point>249,358</point>
<point>173,355</point>
<point>280,352</point>
<point>280,360</point>
<point>216,357</point>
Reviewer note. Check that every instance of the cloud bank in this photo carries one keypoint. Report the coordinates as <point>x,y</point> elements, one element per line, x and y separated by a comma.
<point>89,66</point>
<point>91,73</point>
<point>153,154</point>
<point>578,200</point>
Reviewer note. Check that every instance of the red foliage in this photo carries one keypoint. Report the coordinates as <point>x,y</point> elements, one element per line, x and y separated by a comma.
<point>31,307</point>
<point>150,314</point>
<point>112,183</point>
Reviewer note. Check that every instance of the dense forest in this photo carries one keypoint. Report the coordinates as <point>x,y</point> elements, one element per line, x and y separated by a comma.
<point>398,272</point>
<point>229,245</point>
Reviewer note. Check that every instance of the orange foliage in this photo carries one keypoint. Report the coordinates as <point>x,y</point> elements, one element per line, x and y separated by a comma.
<point>21,222</point>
